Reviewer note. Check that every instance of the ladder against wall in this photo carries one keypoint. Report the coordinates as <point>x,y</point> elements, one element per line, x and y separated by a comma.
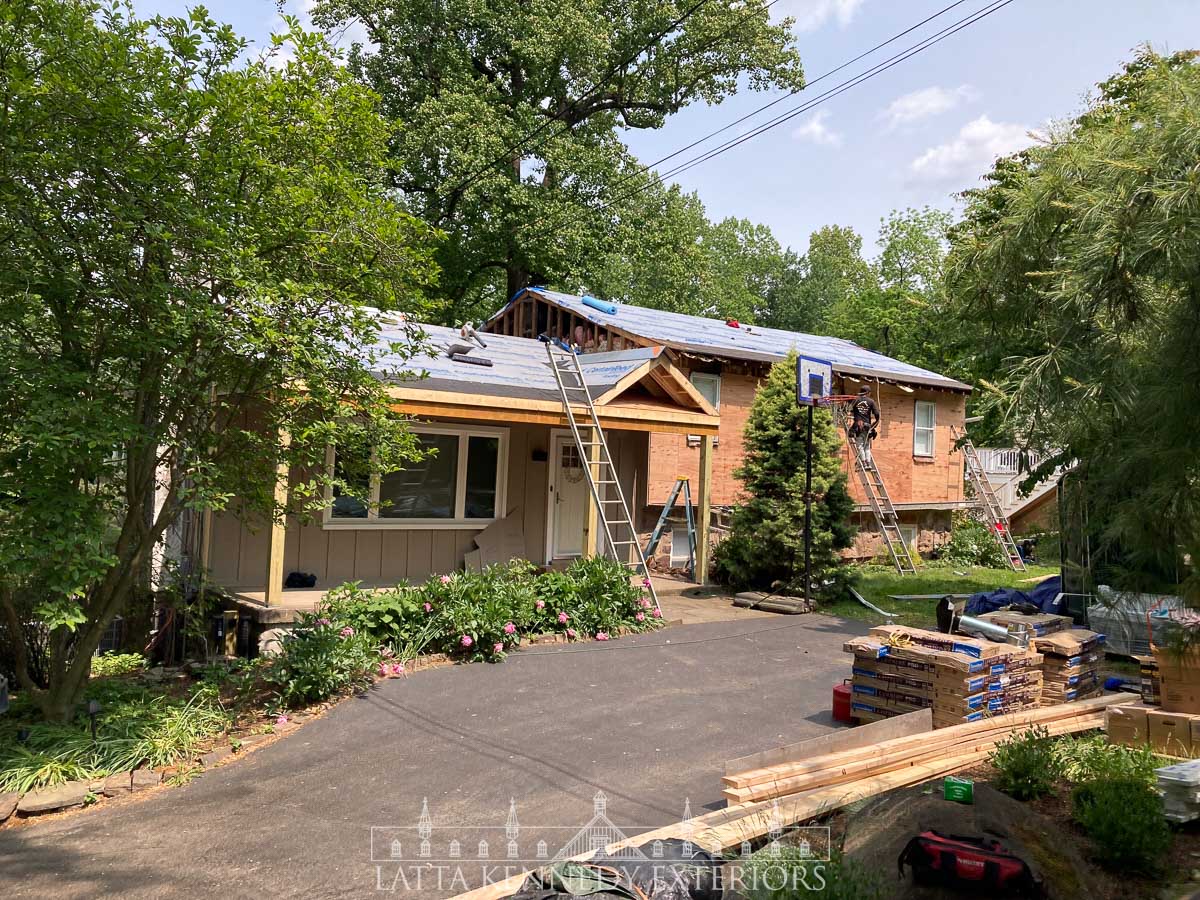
<point>612,509</point>
<point>986,500</point>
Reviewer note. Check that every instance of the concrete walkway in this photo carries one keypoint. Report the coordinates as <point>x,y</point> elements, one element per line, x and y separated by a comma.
<point>647,720</point>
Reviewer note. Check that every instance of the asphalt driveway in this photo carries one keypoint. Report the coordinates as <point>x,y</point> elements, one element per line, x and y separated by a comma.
<point>647,720</point>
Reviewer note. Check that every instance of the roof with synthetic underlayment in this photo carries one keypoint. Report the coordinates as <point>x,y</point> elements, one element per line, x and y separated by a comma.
<point>520,367</point>
<point>713,337</point>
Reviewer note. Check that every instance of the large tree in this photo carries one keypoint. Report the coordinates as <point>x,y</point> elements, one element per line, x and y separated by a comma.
<point>831,275</point>
<point>1076,266</point>
<point>188,249</point>
<point>467,82</point>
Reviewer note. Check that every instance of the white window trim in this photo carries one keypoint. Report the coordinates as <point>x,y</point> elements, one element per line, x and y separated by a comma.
<point>715,377</point>
<point>931,429</point>
<point>374,522</point>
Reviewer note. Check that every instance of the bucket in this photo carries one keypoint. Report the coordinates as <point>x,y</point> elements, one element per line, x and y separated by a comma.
<point>841,701</point>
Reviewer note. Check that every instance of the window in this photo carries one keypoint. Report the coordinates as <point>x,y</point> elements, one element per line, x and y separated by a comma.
<point>923,428</point>
<point>709,386</point>
<point>461,483</point>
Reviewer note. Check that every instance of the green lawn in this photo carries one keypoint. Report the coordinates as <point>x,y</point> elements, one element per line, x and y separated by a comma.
<point>876,582</point>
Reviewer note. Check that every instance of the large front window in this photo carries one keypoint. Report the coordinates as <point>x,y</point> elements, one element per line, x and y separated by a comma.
<point>459,483</point>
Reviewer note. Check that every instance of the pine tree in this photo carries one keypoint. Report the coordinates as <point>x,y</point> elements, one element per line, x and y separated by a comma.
<point>765,547</point>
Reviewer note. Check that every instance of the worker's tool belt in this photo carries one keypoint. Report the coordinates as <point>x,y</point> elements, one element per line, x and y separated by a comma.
<point>962,861</point>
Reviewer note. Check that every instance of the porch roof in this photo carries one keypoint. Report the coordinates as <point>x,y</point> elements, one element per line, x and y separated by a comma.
<point>636,389</point>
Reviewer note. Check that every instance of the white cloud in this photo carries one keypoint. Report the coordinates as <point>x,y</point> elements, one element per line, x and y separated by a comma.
<point>812,14</point>
<point>927,102</point>
<point>815,131</point>
<point>971,152</point>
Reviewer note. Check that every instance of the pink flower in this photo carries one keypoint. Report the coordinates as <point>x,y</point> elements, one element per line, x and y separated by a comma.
<point>541,604</point>
<point>498,647</point>
<point>571,633</point>
<point>657,613</point>
<point>645,604</point>
<point>281,720</point>
<point>641,617</point>
<point>347,632</point>
<point>646,582</point>
<point>384,670</point>
<point>509,628</point>
<point>323,622</point>
<point>466,640</point>
<point>563,618</point>
<point>601,636</point>
<point>428,607</point>
<point>397,668</point>
<point>445,579</point>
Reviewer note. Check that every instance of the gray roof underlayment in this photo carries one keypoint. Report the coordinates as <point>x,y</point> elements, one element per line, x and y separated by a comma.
<point>712,337</point>
<point>520,367</point>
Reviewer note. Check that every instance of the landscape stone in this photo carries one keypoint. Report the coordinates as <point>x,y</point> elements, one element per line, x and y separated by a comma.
<point>213,757</point>
<point>145,778</point>
<point>118,784</point>
<point>65,795</point>
<point>8,805</point>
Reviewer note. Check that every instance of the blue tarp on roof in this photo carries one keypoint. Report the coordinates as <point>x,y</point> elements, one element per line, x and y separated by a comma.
<point>519,367</point>
<point>702,336</point>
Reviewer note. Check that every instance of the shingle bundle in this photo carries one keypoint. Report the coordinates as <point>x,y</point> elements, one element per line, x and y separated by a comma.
<point>1070,664</point>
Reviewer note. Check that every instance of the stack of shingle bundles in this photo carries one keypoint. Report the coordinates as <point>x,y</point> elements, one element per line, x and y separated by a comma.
<point>1037,624</point>
<point>1070,665</point>
<point>898,670</point>
<point>1180,786</point>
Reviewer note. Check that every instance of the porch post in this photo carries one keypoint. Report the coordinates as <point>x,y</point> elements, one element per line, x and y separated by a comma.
<point>278,535</point>
<point>705,501</point>
<point>591,522</point>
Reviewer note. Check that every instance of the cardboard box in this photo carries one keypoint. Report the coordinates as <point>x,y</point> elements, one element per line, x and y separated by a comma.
<point>1170,732</point>
<point>935,640</point>
<point>1179,678</point>
<point>1129,725</point>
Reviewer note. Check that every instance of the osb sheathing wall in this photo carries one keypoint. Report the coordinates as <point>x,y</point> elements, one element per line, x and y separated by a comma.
<point>239,549</point>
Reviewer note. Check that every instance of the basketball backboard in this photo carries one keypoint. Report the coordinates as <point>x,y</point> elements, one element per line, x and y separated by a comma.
<point>814,380</point>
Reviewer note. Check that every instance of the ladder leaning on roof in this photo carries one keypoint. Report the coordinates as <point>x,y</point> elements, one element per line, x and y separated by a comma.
<point>986,500</point>
<point>612,511</point>
<point>881,505</point>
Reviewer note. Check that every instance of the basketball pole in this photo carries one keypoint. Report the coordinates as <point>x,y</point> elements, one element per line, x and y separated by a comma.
<point>808,451</point>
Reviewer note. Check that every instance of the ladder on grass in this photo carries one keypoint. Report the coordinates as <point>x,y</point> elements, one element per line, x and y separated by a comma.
<point>881,506</point>
<point>612,511</point>
<point>987,501</point>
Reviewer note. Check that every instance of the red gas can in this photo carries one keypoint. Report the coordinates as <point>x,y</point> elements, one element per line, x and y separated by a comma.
<point>841,701</point>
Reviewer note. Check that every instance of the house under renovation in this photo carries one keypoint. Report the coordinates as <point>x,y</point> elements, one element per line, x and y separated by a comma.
<point>915,451</point>
<point>507,478</point>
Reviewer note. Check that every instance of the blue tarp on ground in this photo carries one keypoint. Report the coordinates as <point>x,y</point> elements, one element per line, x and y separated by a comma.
<point>1043,596</point>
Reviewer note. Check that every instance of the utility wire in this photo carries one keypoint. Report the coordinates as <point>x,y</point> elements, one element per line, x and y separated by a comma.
<point>507,154</point>
<point>829,94</point>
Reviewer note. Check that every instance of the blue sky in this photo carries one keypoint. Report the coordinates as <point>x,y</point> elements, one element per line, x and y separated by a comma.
<point>910,137</point>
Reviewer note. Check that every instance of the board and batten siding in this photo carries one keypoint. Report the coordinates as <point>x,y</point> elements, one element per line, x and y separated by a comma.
<point>238,549</point>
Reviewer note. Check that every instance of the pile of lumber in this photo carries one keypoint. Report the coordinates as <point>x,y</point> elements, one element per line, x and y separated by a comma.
<point>1070,665</point>
<point>896,670</point>
<point>908,760</point>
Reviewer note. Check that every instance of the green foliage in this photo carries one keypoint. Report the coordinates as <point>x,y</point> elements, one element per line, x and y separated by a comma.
<point>1092,758</point>
<point>765,546</point>
<point>784,873</point>
<point>178,253</point>
<point>831,276</point>
<point>319,659</point>
<point>1068,277</point>
<point>137,726</point>
<point>972,544</point>
<point>1124,818</point>
<point>1026,765</point>
<point>466,82</point>
<point>117,664</point>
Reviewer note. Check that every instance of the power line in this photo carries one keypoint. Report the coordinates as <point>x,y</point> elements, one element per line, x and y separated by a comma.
<point>849,83</point>
<point>506,155</point>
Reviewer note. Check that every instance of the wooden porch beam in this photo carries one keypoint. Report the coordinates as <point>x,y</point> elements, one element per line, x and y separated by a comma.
<point>591,522</point>
<point>705,511</point>
<point>278,535</point>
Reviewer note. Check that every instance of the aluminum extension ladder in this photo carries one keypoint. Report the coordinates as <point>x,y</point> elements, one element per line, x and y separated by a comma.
<point>612,511</point>
<point>986,500</point>
<point>681,484</point>
<point>881,506</point>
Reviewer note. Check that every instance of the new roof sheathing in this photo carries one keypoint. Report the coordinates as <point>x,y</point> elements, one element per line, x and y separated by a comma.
<point>712,337</point>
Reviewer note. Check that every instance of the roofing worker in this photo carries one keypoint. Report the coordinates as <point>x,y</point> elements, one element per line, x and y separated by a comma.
<point>864,417</point>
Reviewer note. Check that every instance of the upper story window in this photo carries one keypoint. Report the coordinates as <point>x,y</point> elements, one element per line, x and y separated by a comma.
<point>460,484</point>
<point>709,386</point>
<point>923,427</point>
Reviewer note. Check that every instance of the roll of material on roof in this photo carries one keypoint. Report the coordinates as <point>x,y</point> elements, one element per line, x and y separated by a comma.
<point>604,307</point>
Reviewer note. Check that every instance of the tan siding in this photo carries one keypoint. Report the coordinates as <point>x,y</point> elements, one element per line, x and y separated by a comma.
<point>394,564</point>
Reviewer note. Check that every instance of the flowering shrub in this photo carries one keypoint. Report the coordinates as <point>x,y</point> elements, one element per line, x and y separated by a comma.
<point>319,658</point>
<point>605,600</point>
<point>973,544</point>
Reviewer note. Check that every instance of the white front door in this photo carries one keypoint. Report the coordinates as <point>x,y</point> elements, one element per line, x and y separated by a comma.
<point>568,498</point>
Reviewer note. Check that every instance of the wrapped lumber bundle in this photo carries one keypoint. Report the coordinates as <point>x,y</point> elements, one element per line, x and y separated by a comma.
<point>1037,625</point>
<point>1070,665</point>
<point>898,670</point>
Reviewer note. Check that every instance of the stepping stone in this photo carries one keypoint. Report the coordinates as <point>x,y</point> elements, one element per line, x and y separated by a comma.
<point>118,785</point>
<point>50,799</point>
<point>145,778</point>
